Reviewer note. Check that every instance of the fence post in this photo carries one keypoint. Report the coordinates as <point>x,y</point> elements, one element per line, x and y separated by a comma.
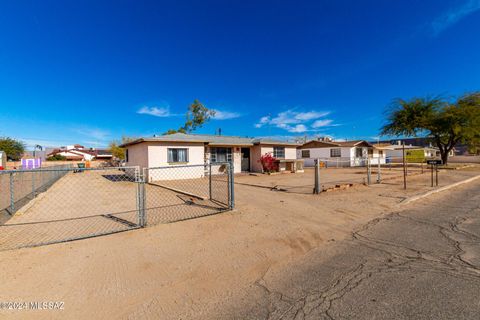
<point>33,184</point>
<point>369,172</point>
<point>404,167</point>
<point>210,181</point>
<point>316,189</point>
<point>142,221</point>
<point>12,194</point>
<point>231,189</point>
<point>379,174</point>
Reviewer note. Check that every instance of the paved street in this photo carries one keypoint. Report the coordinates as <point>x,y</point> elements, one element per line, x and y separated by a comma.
<point>422,262</point>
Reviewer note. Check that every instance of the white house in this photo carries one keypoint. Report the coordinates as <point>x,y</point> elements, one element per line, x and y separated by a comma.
<point>412,153</point>
<point>340,154</point>
<point>80,153</point>
<point>170,151</point>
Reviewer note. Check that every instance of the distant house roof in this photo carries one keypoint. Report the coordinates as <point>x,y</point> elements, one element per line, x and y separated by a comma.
<point>326,144</point>
<point>213,140</point>
<point>97,153</point>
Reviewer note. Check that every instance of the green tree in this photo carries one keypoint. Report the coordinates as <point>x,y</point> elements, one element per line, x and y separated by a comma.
<point>445,123</point>
<point>13,148</point>
<point>197,115</point>
<point>117,151</point>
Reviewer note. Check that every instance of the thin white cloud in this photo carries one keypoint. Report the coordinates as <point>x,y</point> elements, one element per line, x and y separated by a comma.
<point>454,15</point>
<point>93,133</point>
<point>311,115</point>
<point>295,121</point>
<point>299,128</point>
<point>322,123</point>
<point>155,111</point>
<point>225,115</point>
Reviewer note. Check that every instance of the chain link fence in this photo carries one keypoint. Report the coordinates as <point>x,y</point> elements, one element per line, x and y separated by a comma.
<point>18,187</point>
<point>186,192</point>
<point>338,174</point>
<point>67,204</point>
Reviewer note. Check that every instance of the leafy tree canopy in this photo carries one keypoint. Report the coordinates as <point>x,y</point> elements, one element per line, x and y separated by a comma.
<point>13,148</point>
<point>446,123</point>
<point>197,115</point>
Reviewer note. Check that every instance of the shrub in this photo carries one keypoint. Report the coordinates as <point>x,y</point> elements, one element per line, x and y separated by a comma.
<point>268,163</point>
<point>57,157</point>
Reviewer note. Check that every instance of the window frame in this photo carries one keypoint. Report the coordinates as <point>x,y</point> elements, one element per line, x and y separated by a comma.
<point>358,150</point>
<point>276,150</point>
<point>172,159</point>
<point>214,154</point>
<point>305,156</point>
<point>332,155</point>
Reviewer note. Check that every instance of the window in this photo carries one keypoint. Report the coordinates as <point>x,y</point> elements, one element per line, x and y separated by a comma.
<point>220,155</point>
<point>279,152</point>
<point>177,155</point>
<point>126,155</point>
<point>335,152</point>
<point>380,152</point>
<point>359,152</point>
<point>305,153</point>
<point>370,151</point>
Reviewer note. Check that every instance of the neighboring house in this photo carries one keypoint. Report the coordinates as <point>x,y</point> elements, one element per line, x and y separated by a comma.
<point>412,153</point>
<point>420,143</point>
<point>80,153</point>
<point>198,149</point>
<point>340,154</point>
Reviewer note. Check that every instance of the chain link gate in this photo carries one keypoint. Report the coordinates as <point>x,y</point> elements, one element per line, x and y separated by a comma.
<point>176,193</point>
<point>45,206</point>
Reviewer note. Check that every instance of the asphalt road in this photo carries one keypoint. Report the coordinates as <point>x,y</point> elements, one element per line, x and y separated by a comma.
<point>422,262</point>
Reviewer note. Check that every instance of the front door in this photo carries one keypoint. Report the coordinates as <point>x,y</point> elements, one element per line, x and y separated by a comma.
<point>245,159</point>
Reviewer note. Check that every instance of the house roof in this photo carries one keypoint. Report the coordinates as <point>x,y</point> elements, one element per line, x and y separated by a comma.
<point>82,152</point>
<point>333,144</point>
<point>209,139</point>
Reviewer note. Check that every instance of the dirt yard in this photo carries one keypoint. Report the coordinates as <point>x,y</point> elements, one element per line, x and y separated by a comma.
<point>87,203</point>
<point>195,268</point>
<point>329,177</point>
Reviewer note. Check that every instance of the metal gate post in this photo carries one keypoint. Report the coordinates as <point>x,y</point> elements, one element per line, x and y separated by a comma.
<point>369,172</point>
<point>379,174</point>
<point>210,180</point>
<point>12,195</point>
<point>142,219</point>
<point>316,189</point>
<point>231,189</point>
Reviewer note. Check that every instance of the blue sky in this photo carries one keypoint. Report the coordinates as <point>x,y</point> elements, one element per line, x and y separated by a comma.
<point>91,71</point>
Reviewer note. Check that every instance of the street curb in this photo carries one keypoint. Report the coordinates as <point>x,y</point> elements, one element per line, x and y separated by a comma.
<point>424,195</point>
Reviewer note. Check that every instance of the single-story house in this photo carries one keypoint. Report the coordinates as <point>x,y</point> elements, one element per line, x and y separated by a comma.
<point>341,153</point>
<point>412,153</point>
<point>201,149</point>
<point>80,153</point>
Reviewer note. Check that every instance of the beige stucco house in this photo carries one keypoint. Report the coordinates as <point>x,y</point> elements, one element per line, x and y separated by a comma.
<point>199,149</point>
